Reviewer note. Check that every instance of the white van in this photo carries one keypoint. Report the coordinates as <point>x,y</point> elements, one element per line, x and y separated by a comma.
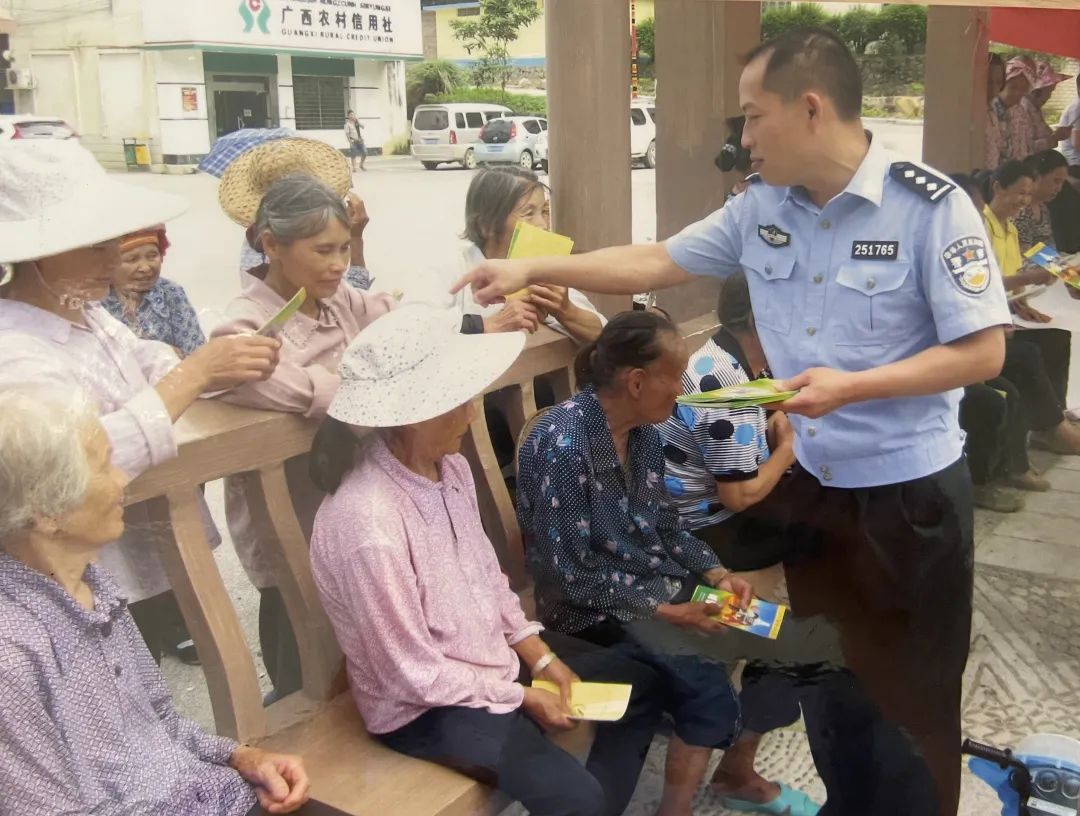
<point>447,132</point>
<point>643,131</point>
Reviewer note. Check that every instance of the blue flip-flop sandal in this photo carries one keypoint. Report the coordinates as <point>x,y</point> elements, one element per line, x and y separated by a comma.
<point>789,803</point>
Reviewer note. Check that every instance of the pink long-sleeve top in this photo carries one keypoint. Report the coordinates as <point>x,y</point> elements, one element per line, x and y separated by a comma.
<point>412,586</point>
<point>304,382</point>
<point>118,371</point>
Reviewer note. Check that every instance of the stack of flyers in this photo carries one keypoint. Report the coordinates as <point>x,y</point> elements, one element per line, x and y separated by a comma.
<point>532,242</point>
<point>1066,267</point>
<point>600,702</point>
<point>761,618</point>
<point>756,392</point>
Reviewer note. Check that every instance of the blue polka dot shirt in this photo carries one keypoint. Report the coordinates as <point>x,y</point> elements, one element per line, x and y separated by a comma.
<point>600,542</point>
<point>704,446</point>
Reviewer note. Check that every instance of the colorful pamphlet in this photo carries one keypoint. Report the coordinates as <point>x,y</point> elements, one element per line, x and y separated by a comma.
<point>601,702</point>
<point>755,392</point>
<point>761,618</point>
<point>278,321</point>
<point>532,242</point>
<point>1066,267</point>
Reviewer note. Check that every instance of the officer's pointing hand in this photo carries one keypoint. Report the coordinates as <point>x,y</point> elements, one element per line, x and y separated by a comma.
<point>821,391</point>
<point>492,281</point>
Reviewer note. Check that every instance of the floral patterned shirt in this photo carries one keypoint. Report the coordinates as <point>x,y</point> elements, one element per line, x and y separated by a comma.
<point>164,314</point>
<point>601,541</point>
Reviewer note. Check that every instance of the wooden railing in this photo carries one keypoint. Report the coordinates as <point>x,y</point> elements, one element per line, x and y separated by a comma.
<point>217,440</point>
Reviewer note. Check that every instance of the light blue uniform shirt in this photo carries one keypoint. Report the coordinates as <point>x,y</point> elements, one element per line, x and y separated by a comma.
<point>897,263</point>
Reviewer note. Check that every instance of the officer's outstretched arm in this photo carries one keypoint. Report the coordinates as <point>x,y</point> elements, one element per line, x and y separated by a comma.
<point>624,270</point>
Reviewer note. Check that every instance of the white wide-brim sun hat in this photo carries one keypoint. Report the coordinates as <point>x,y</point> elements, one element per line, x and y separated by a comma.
<point>55,197</point>
<point>414,364</point>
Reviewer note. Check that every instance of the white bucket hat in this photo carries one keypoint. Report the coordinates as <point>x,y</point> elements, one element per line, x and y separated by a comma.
<point>413,364</point>
<point>55,197</point>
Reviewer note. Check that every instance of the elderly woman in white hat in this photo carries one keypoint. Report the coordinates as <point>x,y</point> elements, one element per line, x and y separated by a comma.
<point>85,717</point>
<point>438,651</point>
<point>61,218</point>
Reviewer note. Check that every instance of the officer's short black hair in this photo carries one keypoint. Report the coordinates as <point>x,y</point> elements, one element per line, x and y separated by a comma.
<point>816,59</point>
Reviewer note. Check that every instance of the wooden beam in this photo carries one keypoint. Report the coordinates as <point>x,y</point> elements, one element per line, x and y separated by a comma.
<point>955,120</point>
<point>588,83</point>
<point>703,41</point>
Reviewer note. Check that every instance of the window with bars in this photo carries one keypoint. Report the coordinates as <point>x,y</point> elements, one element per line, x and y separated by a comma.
<point>320,102</point>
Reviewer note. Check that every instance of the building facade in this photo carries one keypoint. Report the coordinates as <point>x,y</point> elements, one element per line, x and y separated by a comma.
<point>175,76</point>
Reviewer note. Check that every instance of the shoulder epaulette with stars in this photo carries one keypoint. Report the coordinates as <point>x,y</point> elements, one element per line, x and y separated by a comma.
<point>926,183</point>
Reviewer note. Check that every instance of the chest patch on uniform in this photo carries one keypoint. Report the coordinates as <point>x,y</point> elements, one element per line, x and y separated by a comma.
<point>773,235</point>
<point>968,265</point>
<point>875,250</point>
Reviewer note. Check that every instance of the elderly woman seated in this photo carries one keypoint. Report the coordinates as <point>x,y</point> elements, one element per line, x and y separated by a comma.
<point>85,718</point>
<point>438,651</point>
<point>64,245</point>
<point>499,198</point>
<point>614,565</point>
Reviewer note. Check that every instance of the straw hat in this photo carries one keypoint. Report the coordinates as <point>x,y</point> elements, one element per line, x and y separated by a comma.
<point>247,179</point>
<point>414,364</point>
<point>55,197</point>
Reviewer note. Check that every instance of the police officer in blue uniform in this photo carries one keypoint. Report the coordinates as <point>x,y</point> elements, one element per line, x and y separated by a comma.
<point>877,296</point>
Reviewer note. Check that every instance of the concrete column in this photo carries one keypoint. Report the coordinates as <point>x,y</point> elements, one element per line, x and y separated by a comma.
<point>699,45</point>
<point>955,118</point>
<point>588,84</point>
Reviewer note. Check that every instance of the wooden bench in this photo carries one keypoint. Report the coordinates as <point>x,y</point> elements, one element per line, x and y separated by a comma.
<point>348,769</point>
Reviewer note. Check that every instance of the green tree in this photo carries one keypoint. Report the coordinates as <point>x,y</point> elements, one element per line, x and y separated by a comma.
<point>858,28</point>
<point>646,41</point>
<point>906,25</point>
<point>777,21</point>
<point>489,36</point>
<point>434,77</point>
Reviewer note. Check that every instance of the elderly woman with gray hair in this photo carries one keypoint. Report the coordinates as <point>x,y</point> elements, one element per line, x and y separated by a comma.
<point>86,720</point>
<point>302,227</point>
<point>61,220</point>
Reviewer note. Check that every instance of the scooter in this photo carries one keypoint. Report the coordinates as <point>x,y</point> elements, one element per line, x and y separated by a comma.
<point>1041,778</point>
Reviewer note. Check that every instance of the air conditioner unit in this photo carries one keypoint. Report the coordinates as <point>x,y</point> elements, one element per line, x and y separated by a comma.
<point>20,79</point>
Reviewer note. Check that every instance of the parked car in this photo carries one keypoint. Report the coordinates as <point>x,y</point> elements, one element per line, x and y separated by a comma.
<point>28,126</point>
<point>541,151</point>
<point>511,140</point>
<point>448,132</point>
<point>643,131</point>
<point>642,136</point>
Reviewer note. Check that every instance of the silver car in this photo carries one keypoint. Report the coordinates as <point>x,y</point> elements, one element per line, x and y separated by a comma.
<point>511,140</point>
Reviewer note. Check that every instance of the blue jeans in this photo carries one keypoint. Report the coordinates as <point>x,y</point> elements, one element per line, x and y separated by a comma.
<point>509,752</point>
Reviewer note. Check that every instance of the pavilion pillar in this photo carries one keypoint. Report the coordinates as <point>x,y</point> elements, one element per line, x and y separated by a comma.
<point>699,45</point>
<point>955,117</point>
<point>588,85</point>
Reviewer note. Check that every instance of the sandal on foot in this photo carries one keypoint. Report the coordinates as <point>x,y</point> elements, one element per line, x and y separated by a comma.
<point>789,803</point>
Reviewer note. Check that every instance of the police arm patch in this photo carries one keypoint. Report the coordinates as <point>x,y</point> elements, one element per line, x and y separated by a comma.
<point>968,264</point>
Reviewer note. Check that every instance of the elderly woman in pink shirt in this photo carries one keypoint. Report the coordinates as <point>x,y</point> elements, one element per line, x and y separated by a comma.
<point>61,220</point>
<point>303,228</point>
<point>439,654</point>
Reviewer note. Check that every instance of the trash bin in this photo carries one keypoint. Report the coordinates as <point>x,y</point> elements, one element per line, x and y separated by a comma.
<point>136,154</point>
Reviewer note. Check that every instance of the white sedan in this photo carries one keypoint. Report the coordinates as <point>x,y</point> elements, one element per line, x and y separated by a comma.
<point>29,126</point>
